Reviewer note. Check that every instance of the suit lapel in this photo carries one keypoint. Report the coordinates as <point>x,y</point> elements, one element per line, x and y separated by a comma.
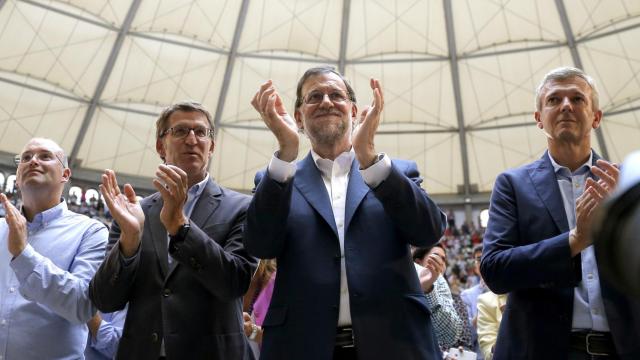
<point>308,181</point>
<point>544,180</point>
<point>207,203</point>
<point>158,232</point>
<point>356,191</point>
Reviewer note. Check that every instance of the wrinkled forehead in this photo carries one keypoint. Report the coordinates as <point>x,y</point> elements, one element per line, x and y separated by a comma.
<point>41,145</point>
<point>574,85</point>
<point>187,118</point>
<point>323,81</point>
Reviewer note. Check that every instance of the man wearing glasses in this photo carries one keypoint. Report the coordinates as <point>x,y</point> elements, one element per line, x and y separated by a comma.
<point>52,255</point>
<point>340,223</point>
<point>177,257</point>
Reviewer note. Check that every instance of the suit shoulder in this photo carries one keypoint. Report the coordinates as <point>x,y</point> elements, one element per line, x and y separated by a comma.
<point>518,172</point>
<point>235,195</point>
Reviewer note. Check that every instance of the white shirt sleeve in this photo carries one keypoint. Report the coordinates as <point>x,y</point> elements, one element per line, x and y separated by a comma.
<point>378,172</point>
<point>279,170</point>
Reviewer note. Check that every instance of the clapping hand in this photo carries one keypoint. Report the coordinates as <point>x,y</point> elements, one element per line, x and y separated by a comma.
<point>17,236</point>
<point>269,104</point>
<point>126,211</point>
<point>365,131</point>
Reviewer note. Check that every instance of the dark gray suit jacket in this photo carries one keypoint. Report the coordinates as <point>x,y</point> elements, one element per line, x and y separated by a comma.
<point>194,304</point>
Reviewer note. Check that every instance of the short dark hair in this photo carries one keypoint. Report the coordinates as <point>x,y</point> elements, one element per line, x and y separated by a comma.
<point>477,249</point>
<point>420,252</point>
<point>317,71</point>
<point>186,106</point>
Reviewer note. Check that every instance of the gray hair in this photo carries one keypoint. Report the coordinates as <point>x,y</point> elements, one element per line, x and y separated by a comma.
<point>566,73</point>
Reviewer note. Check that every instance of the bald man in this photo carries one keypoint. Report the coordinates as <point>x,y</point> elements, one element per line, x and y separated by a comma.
<point>52,255</point>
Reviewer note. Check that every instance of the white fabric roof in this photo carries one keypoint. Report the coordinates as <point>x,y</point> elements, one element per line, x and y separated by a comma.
<point>458,75</point>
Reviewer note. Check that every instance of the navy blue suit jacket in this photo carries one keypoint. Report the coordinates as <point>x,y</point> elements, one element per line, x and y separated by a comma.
<point>526,253</point>
<point>294,223</point>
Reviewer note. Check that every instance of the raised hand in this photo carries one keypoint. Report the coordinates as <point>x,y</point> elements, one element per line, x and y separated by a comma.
<point>586,205</point>
<point>365,131</point>
<point>608,174</point>
<point>434,267</point>
<point>17,236</point>
<point>126,211</point>
<point>269,104</point>
<point>171,182</point>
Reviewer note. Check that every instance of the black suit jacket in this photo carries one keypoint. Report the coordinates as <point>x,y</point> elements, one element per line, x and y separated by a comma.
<point>194,304</point>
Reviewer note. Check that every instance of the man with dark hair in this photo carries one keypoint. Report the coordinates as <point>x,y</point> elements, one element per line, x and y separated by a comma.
<point>340,223</point>
<point>431,264</point>
<point>48,257</point>
<point>177,257</point>
<point>537,247</point>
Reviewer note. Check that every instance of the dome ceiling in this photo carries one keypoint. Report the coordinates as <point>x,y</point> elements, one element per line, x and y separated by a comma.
<point>458,76</point>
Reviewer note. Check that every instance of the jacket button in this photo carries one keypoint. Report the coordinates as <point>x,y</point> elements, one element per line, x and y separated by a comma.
<point>193,262</point>
<point>154,337</point>
<point>166,292</point>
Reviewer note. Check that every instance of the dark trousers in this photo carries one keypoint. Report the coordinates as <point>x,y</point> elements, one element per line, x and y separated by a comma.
<point>344,353</point>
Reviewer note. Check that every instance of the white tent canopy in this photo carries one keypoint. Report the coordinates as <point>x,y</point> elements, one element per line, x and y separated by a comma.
<point>458,76</point>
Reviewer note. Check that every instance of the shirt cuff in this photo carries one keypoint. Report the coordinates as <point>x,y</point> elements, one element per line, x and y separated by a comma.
<point>98,340</point>
<point>25,263</point>
<point>279,170</point>
<point>432,298</point>
<point>126,261</point>
<point>378,172</point>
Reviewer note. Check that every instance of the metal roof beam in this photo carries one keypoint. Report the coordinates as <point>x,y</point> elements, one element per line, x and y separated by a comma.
<point>102,83</point>
<point>457,93</point>
<point>67,13</point>
<point>228,71</point>
<point>344,35</point>
<point>43,90</point>
<point>575,55</point>
<point>178,42</point>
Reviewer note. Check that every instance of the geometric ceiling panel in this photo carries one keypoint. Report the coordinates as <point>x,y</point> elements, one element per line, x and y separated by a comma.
<point>459,77</point>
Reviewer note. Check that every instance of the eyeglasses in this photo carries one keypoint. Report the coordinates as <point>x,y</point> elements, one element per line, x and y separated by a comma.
<point>180,132</point>
<point>45,156</point>
<point>316,97</point>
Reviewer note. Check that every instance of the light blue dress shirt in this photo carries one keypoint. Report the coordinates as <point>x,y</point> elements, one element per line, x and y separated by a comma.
<point>105,344</point>
<point>588,308</point>
<point>44,297</point>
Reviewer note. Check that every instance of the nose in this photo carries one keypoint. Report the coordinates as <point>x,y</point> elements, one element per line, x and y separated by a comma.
<point>191,137</point>
<point>566,104</point>
<point>326,101</point>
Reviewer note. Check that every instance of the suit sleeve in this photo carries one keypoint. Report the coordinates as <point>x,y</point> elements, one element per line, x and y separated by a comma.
<point>267,217</point>
<point>222,266</point>
<point>513,260</point>
<point>109,290</point>
<point>417,217</point>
